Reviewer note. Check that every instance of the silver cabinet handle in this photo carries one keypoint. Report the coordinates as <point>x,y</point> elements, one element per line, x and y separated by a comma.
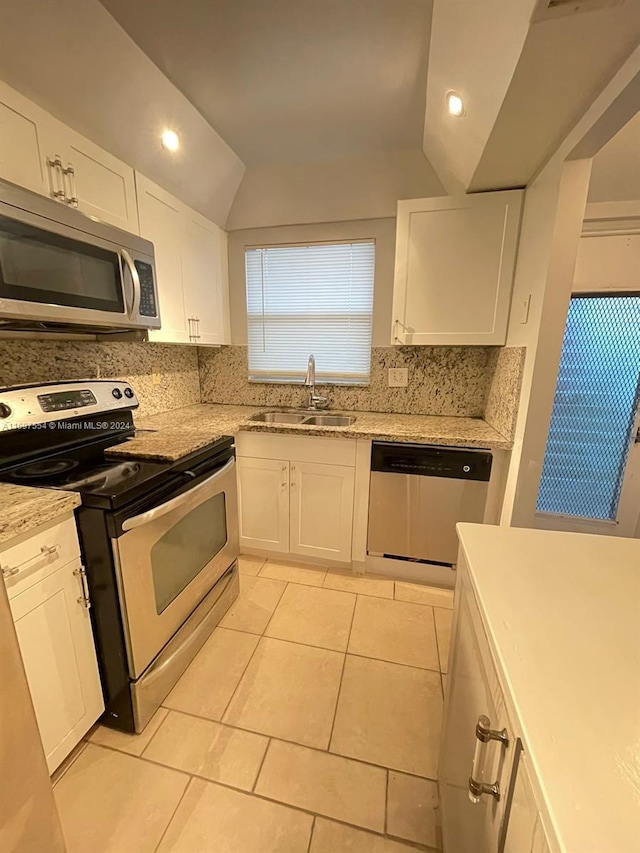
<point>283,471</point>
<point>45,551</point>
<point>484,734</point>
<point>135,278</point>
<point>293,476</point>
<point>57,177</point>
<point>197,328</point>
<point>84,599</point>
<point>192,329</point>
<point>70,172</point>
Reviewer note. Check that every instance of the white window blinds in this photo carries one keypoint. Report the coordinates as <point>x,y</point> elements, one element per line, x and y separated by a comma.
<point>310,299</point>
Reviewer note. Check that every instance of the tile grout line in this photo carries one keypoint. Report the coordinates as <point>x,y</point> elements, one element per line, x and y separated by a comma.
<point>164,719</point>
<point>175,811</point>
<point>195,776</point>
<point>261,637</point>
<point>263,797</point>
<point>352,654</point>
<point>264,758</point>
<point>344,663</point>
<point>313,829</point>
<point>282,740</point>
<point>386,802</point>
<point>435,628</point>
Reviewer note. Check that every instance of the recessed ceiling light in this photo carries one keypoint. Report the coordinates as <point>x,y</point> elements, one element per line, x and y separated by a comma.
<point>454,104</point>
<point>170,140</point>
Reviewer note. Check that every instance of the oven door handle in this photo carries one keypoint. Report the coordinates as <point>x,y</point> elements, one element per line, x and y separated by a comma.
<point>176,503</point>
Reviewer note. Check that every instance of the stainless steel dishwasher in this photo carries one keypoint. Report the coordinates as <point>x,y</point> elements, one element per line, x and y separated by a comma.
<point>417,495</point>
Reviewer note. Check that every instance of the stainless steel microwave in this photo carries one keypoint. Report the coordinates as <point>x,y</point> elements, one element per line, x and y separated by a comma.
<point>61,270</point>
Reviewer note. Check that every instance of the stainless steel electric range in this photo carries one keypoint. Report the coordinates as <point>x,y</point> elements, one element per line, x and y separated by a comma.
<point>159,539</point>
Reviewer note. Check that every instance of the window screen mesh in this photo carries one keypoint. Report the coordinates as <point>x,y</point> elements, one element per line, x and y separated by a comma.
<point>594,408</point>
<point>310,299</point>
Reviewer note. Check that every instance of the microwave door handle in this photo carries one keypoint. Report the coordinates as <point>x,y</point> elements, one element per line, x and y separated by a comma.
<point>175,503</point>
<point>135,278</point>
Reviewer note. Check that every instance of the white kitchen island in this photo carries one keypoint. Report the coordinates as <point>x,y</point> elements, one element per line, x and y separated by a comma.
<point>546,644</point>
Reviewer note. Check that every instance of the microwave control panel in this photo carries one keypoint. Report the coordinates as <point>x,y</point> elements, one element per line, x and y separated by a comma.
<point>148,306</point>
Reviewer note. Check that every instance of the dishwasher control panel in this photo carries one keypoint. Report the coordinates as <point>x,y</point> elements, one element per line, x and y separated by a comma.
<point>430,461</point>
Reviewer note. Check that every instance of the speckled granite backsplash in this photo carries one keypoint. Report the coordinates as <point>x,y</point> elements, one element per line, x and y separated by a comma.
<point>23,362</point>
<point>503,398</point>
<point>442,381</point>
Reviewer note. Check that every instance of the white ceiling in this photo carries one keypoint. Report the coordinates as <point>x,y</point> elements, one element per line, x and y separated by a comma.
<point>524,85</point>
<point>72,58</point>
<point>291,81</point>
<point>615,173</point>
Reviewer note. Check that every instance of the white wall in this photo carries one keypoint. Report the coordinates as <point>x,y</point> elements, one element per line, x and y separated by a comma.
<point>608,262</point>
<point>551,232</point>
<point>383,231</point>
<point>466,37</point>
<point>74,60</point>
<point>366,187</point>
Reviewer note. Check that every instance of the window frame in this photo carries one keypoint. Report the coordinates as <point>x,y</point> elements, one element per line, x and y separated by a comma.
<point>274,377</point>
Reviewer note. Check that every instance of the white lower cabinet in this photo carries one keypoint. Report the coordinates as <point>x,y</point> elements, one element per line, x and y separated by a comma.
<point>512,821</point>
<point>296,495</point>
<point>263,495</point>
<point>53,626</point>
<point>321,510</point>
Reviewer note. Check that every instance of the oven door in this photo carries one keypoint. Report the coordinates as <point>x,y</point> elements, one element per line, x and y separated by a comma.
<point>169,557</point>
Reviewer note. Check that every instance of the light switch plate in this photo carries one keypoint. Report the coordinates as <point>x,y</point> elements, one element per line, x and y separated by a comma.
<point>398,377</point>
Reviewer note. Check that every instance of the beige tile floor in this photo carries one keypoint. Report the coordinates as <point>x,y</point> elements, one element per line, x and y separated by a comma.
<point>308,723</point>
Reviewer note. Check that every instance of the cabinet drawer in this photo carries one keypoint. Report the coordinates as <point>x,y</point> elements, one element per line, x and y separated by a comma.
<point>297,448</point>
<point>38,554</point>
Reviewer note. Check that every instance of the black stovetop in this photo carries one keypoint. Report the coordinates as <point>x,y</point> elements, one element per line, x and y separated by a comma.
<point>101,481</point>
<point>104,482</point>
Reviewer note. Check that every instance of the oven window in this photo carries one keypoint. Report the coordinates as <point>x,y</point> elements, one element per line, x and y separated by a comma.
<point>187,548</point>
<point>40,266</point>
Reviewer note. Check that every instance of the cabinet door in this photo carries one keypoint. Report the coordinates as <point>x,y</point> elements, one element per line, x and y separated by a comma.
<point>103,185</point>
<point>56,642</point>
<point>455,261</point>
<point>161,222</point>
<point>203,280</point>
<point>23,142</point>
<point>263,499</point>
<point>473,690</point>
<point>322,510</point>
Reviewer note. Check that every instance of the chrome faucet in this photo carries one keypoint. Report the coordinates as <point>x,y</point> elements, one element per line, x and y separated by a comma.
<point>314,401</point>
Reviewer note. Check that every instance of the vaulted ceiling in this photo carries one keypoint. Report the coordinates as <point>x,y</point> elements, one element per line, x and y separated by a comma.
<point>290,81</point>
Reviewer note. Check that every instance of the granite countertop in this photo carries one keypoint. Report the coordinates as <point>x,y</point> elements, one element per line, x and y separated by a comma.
<point>175,434</point>
<point>23,508</point>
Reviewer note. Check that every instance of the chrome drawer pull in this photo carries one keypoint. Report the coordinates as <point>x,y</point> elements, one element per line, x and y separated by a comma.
<point>484,734</point>
<point>84,598</point>
<point>45,551</point>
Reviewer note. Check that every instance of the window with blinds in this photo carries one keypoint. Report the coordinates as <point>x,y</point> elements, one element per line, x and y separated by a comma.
<point>310,299</point>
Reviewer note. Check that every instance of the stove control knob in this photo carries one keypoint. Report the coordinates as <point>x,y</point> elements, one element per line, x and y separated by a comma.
<point>128,392</point>
<point>5,410</point>
<point>117,393</point>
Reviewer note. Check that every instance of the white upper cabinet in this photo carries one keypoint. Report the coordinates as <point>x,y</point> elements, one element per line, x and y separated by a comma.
<point>23,142</point>
<point>44,155</point>
<point>191,268</point>
<point>455,262</point>
<point>103,185</point>
<point>161,222</point>
<point>205,278</point>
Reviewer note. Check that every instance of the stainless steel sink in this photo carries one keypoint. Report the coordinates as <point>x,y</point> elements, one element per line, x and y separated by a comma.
<point>278,417</point>
<point>329,420</point>
<point>304,418</point>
